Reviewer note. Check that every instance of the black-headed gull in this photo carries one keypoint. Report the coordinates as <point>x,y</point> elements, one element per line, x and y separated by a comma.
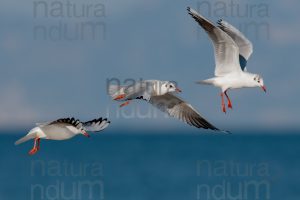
<point>160,94</point>
<point>232,50</point>
<point>62,129</point>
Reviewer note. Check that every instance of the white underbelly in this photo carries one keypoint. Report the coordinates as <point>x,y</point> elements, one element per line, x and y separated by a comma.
<point>229,83</point>
<point>57,133</point>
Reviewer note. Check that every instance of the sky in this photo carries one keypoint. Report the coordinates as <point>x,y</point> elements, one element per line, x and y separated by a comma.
<point>49,69</point>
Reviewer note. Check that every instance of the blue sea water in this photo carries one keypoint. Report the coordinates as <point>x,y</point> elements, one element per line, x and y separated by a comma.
<point>153,166</point>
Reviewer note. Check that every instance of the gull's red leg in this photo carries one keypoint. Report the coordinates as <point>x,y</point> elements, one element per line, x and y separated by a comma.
<point>223,103</point>
<point>34,149</point>
<point>121,96</point>
<point>38,144</point>
<point>229,102</point>
<point>124,104</point>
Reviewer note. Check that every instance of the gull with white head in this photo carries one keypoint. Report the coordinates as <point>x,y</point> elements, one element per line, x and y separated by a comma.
<point>232,50</point>
<point>62,129</point>
<point>161,95</point>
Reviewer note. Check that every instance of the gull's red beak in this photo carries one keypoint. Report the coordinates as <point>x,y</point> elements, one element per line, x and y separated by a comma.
<point>178,90</point>
<point>264,88</point>
<point>85,134</point>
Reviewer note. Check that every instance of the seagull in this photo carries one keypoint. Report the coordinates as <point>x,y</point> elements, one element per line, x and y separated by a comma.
<point>232,51</point>
<point>62,129</point>
<point>160,94</point>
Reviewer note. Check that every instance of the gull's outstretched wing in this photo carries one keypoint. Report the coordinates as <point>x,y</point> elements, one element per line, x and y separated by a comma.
<point>64,121</point>
<point>181,110</point>
<point>96,125</point>
<point>245,46</point>
<point>226,50</point>
<point>139,90</point>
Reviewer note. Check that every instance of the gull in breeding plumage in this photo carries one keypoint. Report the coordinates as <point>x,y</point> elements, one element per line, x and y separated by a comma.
<point>160,94</point>
<point>232,50</point>
<point>62,129</point>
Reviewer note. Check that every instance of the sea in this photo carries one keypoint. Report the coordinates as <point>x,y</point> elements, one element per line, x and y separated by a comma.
<point>153,166</point>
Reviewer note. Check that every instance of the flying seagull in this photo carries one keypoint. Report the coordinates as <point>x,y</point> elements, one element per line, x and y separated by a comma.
<point>160,94</point>
<point>62,129</point>
<point>232,51</point>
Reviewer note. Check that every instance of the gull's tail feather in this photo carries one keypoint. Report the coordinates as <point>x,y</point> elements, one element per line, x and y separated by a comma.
<point>206,82</point>
<point>32,134</point>
<point>24,139</point>
<point>115,90</point>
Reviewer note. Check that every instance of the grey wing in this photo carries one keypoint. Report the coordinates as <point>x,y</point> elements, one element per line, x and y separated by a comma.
<point>42,124</point>
<point>140,90</point>
<point>245,45</point>
<point>71,121</point>
<point>179,109</point>
<point>96,125</point>
<point>226,50</point>
<point>67,121</point>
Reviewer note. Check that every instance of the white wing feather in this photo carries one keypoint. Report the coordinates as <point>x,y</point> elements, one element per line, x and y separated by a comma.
<point>226,50</point>
<point>245,46</point>
<point>96,125</point>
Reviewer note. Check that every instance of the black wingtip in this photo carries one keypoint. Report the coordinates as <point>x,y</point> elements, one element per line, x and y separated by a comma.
<point>220,24</point>
<point>227,132</point>
<point>216,130</point>
<point>188,9</point>
<point>222,131</point>
<point>105,119</point>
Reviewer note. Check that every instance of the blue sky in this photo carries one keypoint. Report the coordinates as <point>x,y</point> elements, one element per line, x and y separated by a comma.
<point>42,79</point>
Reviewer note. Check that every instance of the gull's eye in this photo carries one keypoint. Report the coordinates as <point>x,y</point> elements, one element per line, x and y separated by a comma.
<point>258,81</point>
<point>171,86</point>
